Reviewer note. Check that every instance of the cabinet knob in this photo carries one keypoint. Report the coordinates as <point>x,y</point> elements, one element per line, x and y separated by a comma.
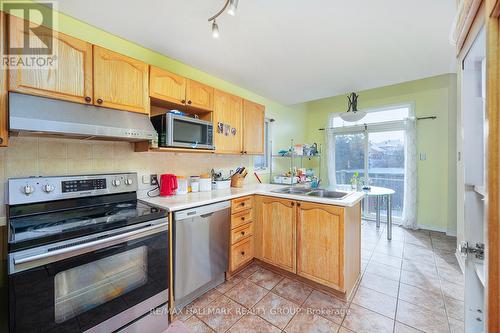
<point>183,101</point>
<point>243,218</point>
<point>243,233</point>
<point>298,204</point>
<point>99,101</point>
<point>242,204</point>
<point>244,152</point>
<point>293,204</point>
<point>88,99</point>
<point>1,140</point>
<point>242,253</point>
<point>189,102</point>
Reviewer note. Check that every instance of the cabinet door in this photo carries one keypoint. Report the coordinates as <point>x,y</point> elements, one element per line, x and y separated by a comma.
<point>253,128</point>
<point>320,243</point>
<point>278,232</point>
<point>120,82</point>
<point>70,79</point>
<point>199,95</point>
<point>167,86</point>
<point>4,124</point>
<point>227,111</point>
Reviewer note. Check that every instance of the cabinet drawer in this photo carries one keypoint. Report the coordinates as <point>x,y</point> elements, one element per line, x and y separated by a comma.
<point>241,232</point>
<point>241,218</point>
<point>241,253</point>
<point>240,204</point>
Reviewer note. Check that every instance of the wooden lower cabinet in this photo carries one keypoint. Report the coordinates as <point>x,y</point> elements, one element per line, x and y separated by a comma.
<point>277,232</point>
<point>320,243</point>
<point>241,247</point>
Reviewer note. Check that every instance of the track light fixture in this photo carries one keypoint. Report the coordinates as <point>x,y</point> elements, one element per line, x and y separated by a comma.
<point>231,6</point>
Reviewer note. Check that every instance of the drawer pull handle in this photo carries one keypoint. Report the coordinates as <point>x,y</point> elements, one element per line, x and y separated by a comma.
<point>243,233</point>
<point>242,204</point>
<point>243,218</point>
<point>242,253</point>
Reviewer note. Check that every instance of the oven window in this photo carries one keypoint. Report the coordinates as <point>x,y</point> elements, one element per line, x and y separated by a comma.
<point>188,132</point>
<point>85,287</point>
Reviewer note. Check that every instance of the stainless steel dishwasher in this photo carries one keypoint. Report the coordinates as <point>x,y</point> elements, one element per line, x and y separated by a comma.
<point>201,250</point>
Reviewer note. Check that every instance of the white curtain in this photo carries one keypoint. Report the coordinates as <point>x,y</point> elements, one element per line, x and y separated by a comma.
<point>330,152</point>
<point>410,188</point>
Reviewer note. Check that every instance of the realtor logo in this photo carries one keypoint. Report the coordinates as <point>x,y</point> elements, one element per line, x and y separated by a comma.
<point>31,35</point>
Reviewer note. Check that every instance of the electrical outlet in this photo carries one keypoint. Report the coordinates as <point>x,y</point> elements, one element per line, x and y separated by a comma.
<point>153,179</point>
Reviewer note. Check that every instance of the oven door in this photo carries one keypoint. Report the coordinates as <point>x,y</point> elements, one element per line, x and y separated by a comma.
<point>189,132</point>
<point>100,284</point>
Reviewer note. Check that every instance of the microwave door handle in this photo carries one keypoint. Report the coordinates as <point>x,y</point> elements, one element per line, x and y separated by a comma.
<point>194,145</point>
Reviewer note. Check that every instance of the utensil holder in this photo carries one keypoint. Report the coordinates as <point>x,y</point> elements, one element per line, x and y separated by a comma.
<point>237,181</point>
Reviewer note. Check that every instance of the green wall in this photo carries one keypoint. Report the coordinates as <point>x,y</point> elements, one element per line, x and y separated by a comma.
<point>436,138</point>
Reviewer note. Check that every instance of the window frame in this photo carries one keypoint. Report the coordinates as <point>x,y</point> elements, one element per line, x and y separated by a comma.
<point>267,145</point>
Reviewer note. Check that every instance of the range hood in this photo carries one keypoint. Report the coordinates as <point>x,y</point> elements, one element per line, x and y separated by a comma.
<point>45,116</point>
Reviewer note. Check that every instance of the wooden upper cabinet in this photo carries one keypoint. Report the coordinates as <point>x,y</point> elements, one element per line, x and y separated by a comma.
<point>228,112</point>
<point>253,131</point>
<point>278,232</point>
<point>320,245</point>
<point>199,95</point>
<point>4,121</point>
<point>70,79</point>
<point>120,82</point>
<point>167,86</point>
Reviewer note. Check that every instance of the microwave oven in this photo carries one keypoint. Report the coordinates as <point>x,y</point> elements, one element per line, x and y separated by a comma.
<point>183,132</point>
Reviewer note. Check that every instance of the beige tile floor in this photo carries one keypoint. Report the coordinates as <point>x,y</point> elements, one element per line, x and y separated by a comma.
<point>410,284</point>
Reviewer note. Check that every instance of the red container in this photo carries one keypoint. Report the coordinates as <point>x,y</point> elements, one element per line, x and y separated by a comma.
<point>168,185</point>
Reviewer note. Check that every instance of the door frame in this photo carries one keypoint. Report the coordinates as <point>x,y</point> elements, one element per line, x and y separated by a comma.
<point>492,105</point>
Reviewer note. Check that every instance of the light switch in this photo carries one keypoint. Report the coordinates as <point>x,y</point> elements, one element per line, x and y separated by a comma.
<point>423,156</point>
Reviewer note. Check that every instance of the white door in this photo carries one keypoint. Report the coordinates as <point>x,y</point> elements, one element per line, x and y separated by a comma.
<point>473,162</point>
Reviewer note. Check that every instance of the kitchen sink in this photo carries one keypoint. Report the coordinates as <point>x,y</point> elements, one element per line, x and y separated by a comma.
<point>313,193</point>
<point>328,194</point>
<point>292,190</point>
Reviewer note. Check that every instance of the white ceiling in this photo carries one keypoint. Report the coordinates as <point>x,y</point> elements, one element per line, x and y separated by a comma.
<point>289,50</point>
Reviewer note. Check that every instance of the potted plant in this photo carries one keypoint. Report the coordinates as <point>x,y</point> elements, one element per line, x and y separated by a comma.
<point>354,180</point>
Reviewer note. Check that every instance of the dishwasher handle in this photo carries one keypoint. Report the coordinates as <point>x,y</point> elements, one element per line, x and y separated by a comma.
<point>202,211</point>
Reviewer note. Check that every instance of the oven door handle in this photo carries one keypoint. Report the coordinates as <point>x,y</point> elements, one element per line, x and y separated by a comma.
<point>71,251</point>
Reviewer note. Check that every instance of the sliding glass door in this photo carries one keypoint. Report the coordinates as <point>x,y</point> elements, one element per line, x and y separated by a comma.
<point>375,150</point>
<point>386,168</point>
<point>349,156</point>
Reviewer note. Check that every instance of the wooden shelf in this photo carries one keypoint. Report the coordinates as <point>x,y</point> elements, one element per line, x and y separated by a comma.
<point>144,147</point>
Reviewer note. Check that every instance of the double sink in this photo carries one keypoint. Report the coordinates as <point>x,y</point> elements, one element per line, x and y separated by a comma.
<point>322,193</point>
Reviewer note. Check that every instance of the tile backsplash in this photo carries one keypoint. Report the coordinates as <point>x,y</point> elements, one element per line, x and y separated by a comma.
<point>36,156</point>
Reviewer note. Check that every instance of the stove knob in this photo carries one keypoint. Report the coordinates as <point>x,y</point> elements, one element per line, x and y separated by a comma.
<point>48,188</point>
<point>128,181</point>
<point>116,182</point>
<point>28,189</point>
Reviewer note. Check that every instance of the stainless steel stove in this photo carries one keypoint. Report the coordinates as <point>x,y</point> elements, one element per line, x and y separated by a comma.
<point>85,255</point>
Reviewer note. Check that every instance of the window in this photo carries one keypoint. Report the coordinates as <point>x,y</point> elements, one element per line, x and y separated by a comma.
<point>375,149</point>
<point>261,162</point>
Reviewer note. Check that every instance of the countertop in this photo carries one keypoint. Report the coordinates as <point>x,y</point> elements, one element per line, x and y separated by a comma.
<point>180,202</point>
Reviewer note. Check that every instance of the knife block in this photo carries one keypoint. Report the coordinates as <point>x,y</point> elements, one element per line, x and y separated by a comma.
<point>237,180</point>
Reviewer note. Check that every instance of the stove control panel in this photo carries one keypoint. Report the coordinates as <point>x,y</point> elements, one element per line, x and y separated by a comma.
<point>39,189</point>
